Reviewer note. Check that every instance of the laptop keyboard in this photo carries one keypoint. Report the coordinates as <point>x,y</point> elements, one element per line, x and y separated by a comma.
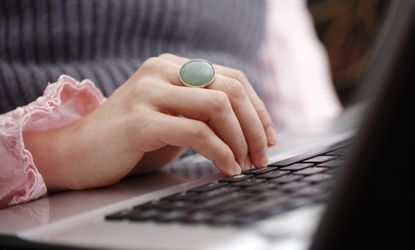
<point>246,198</point>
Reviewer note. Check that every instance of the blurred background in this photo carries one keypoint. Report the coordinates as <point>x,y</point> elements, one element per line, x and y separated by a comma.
<point>347,28</point>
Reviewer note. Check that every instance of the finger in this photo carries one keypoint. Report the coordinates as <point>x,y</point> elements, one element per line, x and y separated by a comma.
<point>246,113</point>
<point>258,104</point>
<point>212,107</point>
<point>185,132</point>
<point>247,116</point>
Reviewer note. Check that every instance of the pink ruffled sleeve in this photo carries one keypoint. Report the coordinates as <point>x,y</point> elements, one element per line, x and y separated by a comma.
<point>62,103</point>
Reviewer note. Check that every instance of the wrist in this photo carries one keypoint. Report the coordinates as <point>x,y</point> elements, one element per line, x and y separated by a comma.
<point>48,155</point>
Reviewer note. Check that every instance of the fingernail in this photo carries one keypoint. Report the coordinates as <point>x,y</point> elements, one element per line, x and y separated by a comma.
<point>236,169</point>
<point>271,135</point>
<point>263,158</point>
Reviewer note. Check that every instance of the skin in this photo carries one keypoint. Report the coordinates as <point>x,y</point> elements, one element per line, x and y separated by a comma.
<point>149,121</point>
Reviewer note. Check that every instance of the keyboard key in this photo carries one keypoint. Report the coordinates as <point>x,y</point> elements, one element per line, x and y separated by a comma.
<point>235,178</point>
<point>286,179</point>
<point>270,195</point>
<point>231,219</point>
<point>297,166</point>
<point>220,220</point>
<point>339,152</point>
<point>310,171</point>
<point>162,205</point>
<point>119,215</point>
<point>332,164</point>
<point>247,183</point>
<point>272,174</point>
<point>320,158</point>
<point>151,205</point>
<point>213,194</point>
<point>221,200</point>
<point>258,171</point>
<point>293,186</point>
<point>309,191</point>
<point>170,216</point>
<point>233,207</point>
<point>286,162</point>
<point>179,196</point>
<point>174,205</point>
<point>267,207</point>
<point>262,187</point>
<point>208,187</point>
<point>318,178</point>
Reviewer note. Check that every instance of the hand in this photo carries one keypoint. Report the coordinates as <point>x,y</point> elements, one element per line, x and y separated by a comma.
<point>149,121</point>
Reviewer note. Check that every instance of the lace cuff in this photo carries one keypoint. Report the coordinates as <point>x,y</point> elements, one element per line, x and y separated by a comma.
<point>62,103</point>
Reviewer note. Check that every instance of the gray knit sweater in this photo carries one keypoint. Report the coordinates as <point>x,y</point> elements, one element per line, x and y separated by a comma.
<point>107,40</point>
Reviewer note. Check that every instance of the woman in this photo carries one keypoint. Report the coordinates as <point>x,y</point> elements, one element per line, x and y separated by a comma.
<point>72,137</point>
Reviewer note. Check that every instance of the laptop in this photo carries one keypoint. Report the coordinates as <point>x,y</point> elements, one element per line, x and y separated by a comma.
<point>344,186</point>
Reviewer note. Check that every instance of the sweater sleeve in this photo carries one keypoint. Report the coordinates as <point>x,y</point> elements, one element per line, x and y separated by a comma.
<point>63,102</point>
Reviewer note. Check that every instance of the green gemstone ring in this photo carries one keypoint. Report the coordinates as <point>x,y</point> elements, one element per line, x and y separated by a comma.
<point>197,73</point>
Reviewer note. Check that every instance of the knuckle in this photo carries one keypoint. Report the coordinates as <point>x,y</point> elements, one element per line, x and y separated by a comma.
<point>258,137</point>
<point>165,55</point>
<point>134,123</point>
<point>142,94</point>
<point>141,86</point>
<point>151,63</point>
<point>199,130</point>
<point>219,101</point>
<point>234,89</point>
<point>262,114</point>
<point>239,75</point>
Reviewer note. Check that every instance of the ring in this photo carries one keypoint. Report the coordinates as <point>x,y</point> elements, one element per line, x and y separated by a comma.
<point>197,73</point>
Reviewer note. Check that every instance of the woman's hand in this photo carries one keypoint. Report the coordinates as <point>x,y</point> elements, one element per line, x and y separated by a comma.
<point>149,121</point>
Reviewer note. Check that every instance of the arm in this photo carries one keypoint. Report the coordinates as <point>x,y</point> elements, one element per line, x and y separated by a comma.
<point>147,122</point>
<point>62,103</point>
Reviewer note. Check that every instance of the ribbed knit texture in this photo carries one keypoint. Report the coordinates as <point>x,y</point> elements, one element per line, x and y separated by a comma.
<point>107,40</point>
